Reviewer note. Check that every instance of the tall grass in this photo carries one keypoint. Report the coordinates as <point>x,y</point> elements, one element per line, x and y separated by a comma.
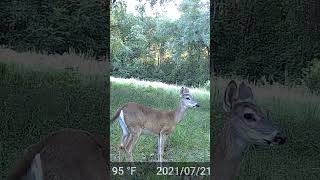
<point>190,142</point>
<point>298,113</point>
<point>35,101</point>
<point>71,60</point>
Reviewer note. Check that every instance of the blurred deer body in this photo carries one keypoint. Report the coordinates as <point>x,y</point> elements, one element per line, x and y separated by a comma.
<point>67,154</point>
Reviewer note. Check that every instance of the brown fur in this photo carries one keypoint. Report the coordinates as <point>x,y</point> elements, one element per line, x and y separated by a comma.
<point>67,154</point>
<point>149,118</point>
<point>226,160</point>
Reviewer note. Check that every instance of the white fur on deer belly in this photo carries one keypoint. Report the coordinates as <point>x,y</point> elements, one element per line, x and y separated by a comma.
<point>123,124</point>
<point>147,131</point>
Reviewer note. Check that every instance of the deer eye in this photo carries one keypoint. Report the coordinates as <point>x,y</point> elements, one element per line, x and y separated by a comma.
<point>187,98</point>
<point>249,117</point>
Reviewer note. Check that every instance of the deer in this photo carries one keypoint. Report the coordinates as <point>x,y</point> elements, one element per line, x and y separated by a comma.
<point>136,119</point>
<point>66,154</point>
<point>245,124</point>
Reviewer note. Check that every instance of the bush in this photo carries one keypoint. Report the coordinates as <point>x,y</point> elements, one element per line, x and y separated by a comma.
<point>190,73</point>
<point>55,26</point>
<point>312,76</point>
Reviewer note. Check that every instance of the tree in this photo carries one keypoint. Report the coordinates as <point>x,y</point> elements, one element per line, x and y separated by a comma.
<point>159,48</point>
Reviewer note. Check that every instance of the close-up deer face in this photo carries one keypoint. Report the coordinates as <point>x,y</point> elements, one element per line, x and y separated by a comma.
<point>187,99</point>
<point>253,125</point>
<point>248,120</point>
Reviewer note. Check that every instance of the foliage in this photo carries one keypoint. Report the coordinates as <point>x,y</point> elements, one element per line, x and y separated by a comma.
<point>271,39</point>
<point>158,48</point>
<point>312,76</point>
<point>187,73</point>
<point>55,26</point>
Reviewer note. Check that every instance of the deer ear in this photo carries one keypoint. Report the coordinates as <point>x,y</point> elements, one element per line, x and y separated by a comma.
<point>230,95</point>
<point>181,90</point>
<point>245,93</point>
<point>186,91</point>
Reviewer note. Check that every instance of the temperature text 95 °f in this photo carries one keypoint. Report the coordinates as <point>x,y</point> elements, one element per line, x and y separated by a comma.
<point>122,170</point>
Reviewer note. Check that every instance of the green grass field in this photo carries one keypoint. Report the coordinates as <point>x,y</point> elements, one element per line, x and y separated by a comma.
<point>35,102</point>
<point>190,142</point>
<point>298,114</point>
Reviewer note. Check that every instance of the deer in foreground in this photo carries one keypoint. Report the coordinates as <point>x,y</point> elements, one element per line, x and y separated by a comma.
<point>67,154</point>
<point>245,124</point>
<point>135,119</point>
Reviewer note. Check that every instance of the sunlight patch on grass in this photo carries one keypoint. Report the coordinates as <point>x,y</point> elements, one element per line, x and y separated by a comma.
<point>155,84</point>
<point>83,63</point>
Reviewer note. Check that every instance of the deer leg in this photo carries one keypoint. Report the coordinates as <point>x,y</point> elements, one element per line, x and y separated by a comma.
<point>123,143</point>
<point>131,143</point>
<point>130,147</point>
<point>122,147</point>
<point>164,138</point>
<point>161,140</point>
<point>119,153</point>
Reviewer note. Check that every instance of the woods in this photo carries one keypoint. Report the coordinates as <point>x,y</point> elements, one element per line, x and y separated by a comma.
<point>153,48</point>
<point>267,41</point>
<point>55,26</point>
<point>160,48</point>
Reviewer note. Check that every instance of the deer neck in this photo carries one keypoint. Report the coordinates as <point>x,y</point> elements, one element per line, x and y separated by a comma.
<point>179,113</point>
<point>229,150</point>
<point>235,144</point>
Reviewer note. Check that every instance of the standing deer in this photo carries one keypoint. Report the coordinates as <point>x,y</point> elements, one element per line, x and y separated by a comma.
<point>245,124</point>
<point>135,119</point>
<point>67,154</point>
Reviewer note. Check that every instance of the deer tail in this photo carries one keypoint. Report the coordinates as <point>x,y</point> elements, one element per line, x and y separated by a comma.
<point>23,164</point>
<point>117,114</point>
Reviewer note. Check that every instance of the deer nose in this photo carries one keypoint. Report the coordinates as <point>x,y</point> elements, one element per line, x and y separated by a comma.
<point>197,105</point>
<point>279,138</point>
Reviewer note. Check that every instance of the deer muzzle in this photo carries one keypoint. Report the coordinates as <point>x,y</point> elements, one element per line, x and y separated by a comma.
<point>279,139</point>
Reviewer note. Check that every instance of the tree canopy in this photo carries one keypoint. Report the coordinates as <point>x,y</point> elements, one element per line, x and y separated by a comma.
<point>160,48</point>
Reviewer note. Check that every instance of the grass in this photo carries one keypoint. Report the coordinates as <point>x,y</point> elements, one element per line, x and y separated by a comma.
<point>82,62</point>
<point>298,113</point>
<point>35,101</point>
<point>190,142</point>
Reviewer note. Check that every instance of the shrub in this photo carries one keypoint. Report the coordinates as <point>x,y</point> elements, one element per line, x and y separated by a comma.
<point>312,76</point>
<point>190,73</point>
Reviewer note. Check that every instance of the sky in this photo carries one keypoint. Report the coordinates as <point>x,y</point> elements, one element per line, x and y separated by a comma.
<point>170,9</point>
